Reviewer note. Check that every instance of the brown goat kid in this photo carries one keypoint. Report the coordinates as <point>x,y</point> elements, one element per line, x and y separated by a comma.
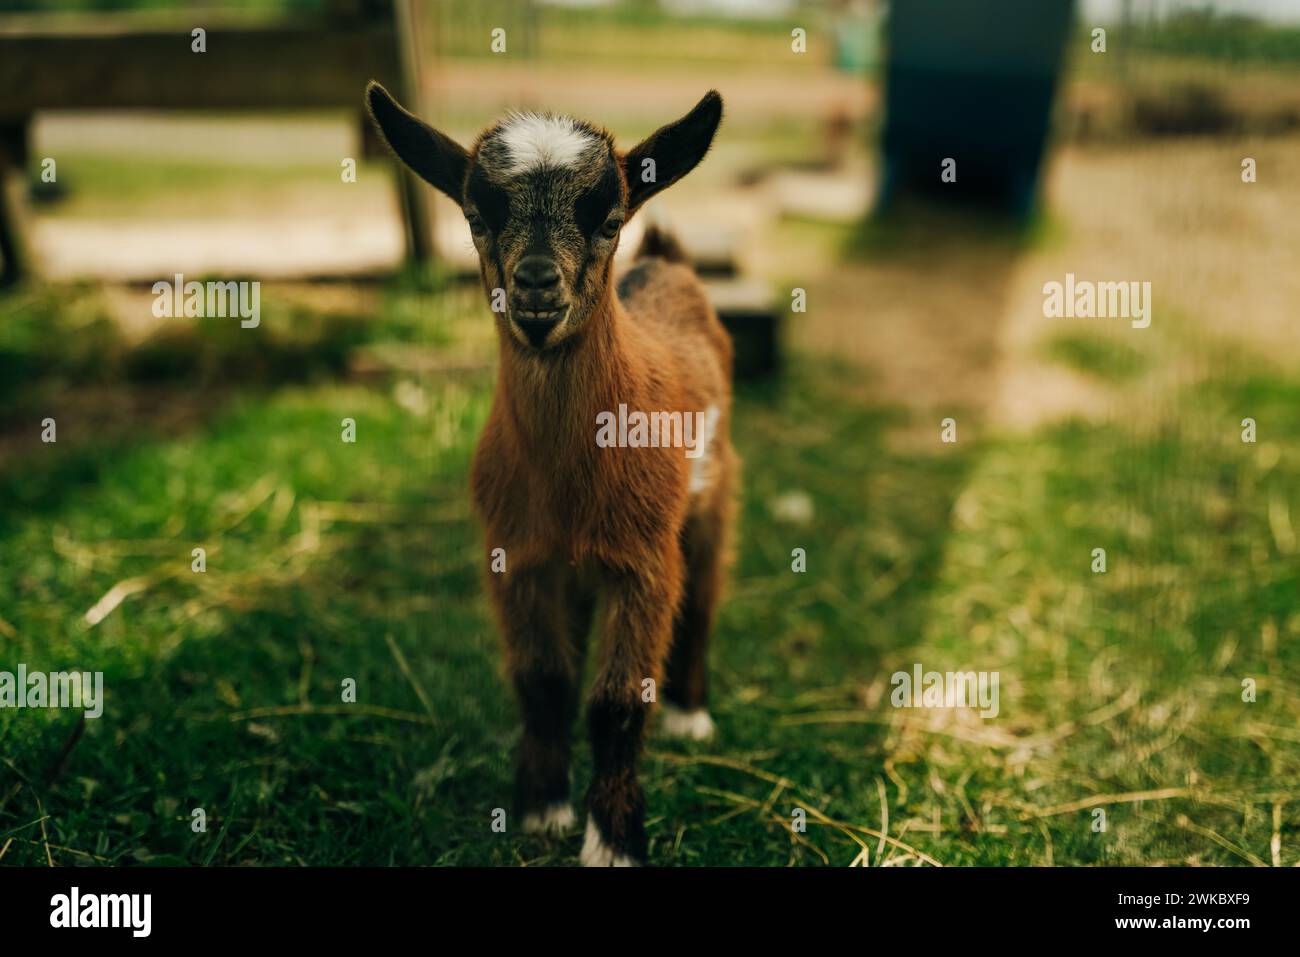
<point>626,526</point>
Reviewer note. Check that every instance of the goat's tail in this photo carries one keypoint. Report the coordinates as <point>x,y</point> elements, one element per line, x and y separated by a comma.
<point>660,242</point>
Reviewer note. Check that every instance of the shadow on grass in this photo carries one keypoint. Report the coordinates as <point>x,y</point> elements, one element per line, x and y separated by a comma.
<point>331,563</point>
<point>305,586</point>
<point>820,475</point>
<point>361,563</point>
<point>63,357</point>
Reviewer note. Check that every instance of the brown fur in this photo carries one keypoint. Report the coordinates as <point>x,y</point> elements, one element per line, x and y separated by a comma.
<point>578,521</point>
<point>611,535</point>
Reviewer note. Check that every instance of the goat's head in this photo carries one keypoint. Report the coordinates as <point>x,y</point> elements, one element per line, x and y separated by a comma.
<point>546,197</point>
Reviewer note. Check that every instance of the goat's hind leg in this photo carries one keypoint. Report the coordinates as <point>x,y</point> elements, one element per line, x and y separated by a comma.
<point>684,706</point>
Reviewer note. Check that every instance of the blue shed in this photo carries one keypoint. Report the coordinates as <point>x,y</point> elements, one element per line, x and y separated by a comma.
<point>972,81</point>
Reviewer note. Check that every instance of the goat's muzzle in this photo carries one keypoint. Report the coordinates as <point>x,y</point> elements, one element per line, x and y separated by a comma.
<point>537,301</point>
<point>536,321</point>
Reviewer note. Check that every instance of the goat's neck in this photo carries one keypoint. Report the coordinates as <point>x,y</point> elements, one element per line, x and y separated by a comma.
<point>553,400</point>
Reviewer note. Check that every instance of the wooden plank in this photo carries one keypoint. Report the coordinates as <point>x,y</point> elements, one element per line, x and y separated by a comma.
<point>243,68</point>
<point>747,309</point>
<point>123,62</point>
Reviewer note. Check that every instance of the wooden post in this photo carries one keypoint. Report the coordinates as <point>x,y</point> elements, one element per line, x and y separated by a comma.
<point>112,62</point>
<point>416,207</point>
<point>14,251</point>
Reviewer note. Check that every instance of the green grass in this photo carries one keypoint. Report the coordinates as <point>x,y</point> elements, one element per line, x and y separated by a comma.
<point>329,561</point>
<point>1223,39</point>
<point>101,185</point>
<point>1110,358</point>
<point>632,34</point>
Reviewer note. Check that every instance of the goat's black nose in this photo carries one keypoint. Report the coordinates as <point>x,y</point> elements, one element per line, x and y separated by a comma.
<point>536,273</point>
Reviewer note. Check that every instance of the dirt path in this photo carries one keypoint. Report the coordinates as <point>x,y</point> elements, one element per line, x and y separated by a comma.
<point>751,92</point>
<point>960,325</point>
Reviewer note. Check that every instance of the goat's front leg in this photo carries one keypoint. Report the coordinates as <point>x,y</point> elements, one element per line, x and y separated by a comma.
<point>635,637</point>
<point>544,621</point>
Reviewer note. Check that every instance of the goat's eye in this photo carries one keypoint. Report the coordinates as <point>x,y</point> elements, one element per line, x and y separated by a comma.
<point>611,227</point>
<point>476,225</point>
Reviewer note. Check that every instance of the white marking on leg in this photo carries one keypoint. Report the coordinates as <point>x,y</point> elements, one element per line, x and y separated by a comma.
<point>702,466</point>
<point>596,853</point>
<point>555,819</point>
<point>678,723</point>
<point>535,140</point>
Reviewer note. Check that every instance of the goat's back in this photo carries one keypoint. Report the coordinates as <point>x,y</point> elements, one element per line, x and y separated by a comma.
<point>667,299</point>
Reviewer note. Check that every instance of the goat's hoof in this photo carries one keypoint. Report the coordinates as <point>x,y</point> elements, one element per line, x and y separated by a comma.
<point>694,725</point>
<point>554,820</point>
<point>596,853</point>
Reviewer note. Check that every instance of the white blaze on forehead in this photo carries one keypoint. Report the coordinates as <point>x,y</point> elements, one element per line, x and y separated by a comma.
<point>533,140</point>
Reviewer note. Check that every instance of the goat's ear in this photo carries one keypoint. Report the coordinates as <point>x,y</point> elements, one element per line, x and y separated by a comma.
<point>671,151</point>
<point>437,159</point>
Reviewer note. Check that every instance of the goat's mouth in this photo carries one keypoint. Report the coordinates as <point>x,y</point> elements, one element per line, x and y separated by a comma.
<point>536,324</point>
